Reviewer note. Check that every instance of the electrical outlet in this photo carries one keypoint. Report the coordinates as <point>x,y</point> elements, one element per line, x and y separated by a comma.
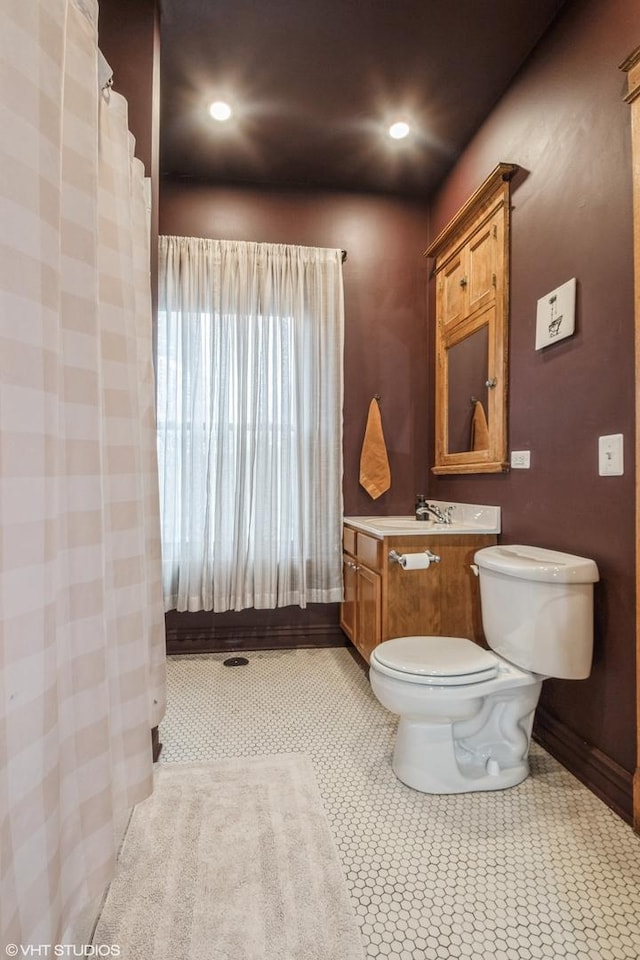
<point>521,459</point>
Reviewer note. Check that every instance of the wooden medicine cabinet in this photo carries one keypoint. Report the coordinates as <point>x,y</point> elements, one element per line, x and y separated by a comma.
<point>472,321</point>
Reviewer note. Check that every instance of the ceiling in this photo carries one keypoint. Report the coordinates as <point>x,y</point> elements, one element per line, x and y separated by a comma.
<point>316,83</point>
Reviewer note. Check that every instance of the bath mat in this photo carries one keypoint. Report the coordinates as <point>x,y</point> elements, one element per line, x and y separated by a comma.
<point>231,860</point>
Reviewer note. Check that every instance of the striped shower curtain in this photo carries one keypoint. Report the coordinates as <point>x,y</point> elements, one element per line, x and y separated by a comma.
<point>81,611</point>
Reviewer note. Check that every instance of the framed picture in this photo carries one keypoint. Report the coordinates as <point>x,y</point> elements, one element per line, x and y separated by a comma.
<point>556,315</point>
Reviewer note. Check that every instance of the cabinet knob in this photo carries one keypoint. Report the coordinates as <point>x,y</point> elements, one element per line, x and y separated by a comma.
<point>491,383</point>
<point>463,282</point>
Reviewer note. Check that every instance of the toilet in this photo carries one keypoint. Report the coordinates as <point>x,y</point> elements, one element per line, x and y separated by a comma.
<point>466,713</point>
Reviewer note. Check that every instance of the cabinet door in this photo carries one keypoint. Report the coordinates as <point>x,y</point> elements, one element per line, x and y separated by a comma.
<point>482,264</point>
<point>369,611</point>
<point>348,606</point>
<point>451,291</point>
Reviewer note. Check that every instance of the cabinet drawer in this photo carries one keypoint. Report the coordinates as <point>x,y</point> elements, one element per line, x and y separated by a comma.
<point>349,540</point>
<point>369,550</point>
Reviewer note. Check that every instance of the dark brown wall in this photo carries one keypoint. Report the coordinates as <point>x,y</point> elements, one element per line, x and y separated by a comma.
<point>385,328</point>
<point>563,121</point>
<point>129,37</point>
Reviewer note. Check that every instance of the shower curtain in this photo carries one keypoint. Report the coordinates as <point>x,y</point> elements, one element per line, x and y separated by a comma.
<point>81,610</point>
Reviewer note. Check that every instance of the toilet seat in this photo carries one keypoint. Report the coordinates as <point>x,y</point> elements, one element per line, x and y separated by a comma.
<point>440,661</point>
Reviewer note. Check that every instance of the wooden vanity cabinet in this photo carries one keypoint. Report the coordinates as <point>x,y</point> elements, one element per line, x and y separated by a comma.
<point>382,600</point>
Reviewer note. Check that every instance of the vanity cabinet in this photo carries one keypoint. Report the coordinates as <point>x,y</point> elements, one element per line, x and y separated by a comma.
<point>382,600</point>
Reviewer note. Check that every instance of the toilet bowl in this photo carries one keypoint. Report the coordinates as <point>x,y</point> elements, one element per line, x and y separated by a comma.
<point>458,731</point>
<point>466,713</point>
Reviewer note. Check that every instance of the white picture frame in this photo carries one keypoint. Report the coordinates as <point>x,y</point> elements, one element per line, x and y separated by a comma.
<point>556,315</point>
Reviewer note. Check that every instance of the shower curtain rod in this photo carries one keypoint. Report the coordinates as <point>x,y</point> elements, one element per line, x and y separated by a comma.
<point>344,255</point>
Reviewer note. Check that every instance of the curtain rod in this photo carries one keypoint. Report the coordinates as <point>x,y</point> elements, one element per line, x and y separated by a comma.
<point>344,255</point>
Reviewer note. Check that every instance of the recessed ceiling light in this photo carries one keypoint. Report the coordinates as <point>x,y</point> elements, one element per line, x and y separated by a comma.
<point>220,110</point>
<point>399,130</point>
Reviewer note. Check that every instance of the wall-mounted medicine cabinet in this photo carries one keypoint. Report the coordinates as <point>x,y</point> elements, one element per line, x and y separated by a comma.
<point>471,271</point>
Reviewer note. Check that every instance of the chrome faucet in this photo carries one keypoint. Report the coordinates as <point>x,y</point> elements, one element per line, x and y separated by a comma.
<point>441,515</point>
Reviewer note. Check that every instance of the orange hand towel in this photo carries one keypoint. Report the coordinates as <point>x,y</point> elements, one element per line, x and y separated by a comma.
<point>375,475</point>
<point>479,428</point>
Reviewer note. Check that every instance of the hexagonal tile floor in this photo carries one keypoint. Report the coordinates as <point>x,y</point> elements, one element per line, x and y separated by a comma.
<point>543,871</point>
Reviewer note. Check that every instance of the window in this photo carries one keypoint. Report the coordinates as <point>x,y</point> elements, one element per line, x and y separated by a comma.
<point>249,373</point>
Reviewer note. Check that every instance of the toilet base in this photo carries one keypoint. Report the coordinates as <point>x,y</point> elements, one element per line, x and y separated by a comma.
<point>425,759</point>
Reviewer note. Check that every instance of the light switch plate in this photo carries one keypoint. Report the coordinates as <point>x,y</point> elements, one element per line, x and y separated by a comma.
<point>611,455</point>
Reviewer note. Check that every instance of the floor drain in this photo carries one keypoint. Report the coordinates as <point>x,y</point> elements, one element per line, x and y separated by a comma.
<point>235,662</point>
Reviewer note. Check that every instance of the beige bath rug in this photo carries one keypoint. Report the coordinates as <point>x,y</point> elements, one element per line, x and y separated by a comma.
<point>231,860</point>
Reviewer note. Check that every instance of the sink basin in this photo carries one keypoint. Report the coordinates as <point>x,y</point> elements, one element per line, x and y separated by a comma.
<point>404,523</point>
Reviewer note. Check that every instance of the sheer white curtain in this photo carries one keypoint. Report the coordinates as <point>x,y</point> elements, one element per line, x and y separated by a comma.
<point>81,614</point>
<point>250,389</point>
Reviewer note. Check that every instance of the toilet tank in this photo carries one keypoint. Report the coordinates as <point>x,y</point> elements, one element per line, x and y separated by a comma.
<point>537,608</point>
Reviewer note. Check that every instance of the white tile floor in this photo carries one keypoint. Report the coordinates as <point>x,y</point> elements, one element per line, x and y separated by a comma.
<point>544,870</point>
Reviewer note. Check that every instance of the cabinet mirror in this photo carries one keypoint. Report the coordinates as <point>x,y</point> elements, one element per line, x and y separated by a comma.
<point>467,373</point>
<point>472,283</point>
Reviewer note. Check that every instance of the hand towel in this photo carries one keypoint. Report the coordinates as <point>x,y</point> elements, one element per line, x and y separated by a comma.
<point>375,475</point>
<point>479,428</point>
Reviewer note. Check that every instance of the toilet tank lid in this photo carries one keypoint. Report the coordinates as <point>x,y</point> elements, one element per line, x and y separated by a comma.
<point>537,563</point>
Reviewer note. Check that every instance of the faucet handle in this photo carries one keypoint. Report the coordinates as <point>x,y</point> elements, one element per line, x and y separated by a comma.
<point>442,514</point>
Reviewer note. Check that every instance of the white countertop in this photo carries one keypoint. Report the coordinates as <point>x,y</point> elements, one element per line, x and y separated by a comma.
<point>466,518</point>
